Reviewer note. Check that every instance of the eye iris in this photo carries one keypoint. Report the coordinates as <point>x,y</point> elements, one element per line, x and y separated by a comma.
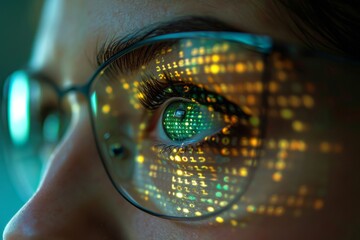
<point>183,120</point>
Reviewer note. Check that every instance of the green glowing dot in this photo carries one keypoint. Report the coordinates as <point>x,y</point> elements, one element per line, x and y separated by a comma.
<point>218,194</point>
<point>255,121</point>
<point>192,198</point>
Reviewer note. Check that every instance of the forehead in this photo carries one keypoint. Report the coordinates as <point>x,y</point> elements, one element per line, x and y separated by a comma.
<point>71,31</point>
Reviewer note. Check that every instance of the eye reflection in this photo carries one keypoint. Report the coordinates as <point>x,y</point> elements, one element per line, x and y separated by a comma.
<point>248,157</point>
<point>192,154</point>
<point>35,122</point>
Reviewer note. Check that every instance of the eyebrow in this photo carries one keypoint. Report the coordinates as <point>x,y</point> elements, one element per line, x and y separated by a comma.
<point>185,24</point>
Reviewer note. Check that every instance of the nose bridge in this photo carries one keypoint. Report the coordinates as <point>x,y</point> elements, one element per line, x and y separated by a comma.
<point>75,193</point>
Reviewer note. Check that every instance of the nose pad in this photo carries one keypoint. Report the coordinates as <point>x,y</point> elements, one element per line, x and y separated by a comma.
<point>75,199</point>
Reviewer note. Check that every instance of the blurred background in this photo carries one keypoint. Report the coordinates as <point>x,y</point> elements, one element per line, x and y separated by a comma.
<point>18,22</point>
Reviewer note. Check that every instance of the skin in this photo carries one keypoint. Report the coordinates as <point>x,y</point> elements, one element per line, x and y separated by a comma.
<point>76,199</point>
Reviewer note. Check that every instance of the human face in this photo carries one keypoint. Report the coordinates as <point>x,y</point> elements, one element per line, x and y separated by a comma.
<point>76,198</point>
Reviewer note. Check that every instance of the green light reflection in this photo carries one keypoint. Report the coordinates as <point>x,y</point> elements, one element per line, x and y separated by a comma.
<point>19,108</point>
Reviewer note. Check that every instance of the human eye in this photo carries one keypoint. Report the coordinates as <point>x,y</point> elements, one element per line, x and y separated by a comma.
<point>185,114</point>
<point>190,128</point>
<point>254,154</point>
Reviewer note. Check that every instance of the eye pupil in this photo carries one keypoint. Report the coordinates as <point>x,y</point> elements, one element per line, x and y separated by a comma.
<point>180,113</point>
<point>184,120</point>
<point>116,150</point>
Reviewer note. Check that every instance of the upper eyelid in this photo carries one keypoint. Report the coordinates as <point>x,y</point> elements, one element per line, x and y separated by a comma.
<point>147,89</point>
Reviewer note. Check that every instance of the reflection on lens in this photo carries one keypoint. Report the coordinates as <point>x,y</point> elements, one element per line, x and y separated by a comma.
<point>34,125</point>
<point>190,130</point>
<point>19,109</point>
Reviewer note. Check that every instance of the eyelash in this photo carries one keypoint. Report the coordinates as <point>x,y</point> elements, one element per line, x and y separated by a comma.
<point>156,92</point>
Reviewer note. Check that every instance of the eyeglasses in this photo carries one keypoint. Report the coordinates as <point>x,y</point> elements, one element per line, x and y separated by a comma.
<point>179,119</point>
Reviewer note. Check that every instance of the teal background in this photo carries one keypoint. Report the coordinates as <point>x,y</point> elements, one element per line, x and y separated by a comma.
<point>18,22</point>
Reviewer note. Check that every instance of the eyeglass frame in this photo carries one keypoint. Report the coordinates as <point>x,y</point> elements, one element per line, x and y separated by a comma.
<point>263,44</point>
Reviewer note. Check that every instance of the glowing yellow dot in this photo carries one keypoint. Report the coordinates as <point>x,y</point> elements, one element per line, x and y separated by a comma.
<point>325,147</point>
<point>290,201</point>
<point>140,159</point>
<point>179,195</point>
<point>303,190</point>
<point>235,207</point>
<point>240,67</point>
<point>308,101</point>
<point>261,209</point>
<point>250,208</point>
<point>280,165</point>
<point>273,87</point>
<point>185,210</point>
<point>259,65</point>
<point>219,219</point>
<point>215,58</point>
<point>254,142</point>
<point>318,204</point>
<point>270,210</point>
<point>225,151</point>
<point>270,164</point>
<point>126,86</point>
<point>108,89</point>
<point>214,69</point>
<point>243,172</point>
<point>295,101</point>
<point>210,209</point>
<point>277,177</point>
<point>141,96</point>
<point>225,131</point>
<point>286,113</point>
<point>274,199</point>
<point>298,126</point>
<point>251,100</point>
<point>283,144</point>
<point>282,154</point>
<point>198,213</point>
<point>177,158</point>
<point>258,87</point>
<point>233,223</point>
<point>298,145</point>
<point>142,126</point>
<point>179,172</point>
<point>106,108</point>
<point>279,211</point>
<point>137,106</point>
